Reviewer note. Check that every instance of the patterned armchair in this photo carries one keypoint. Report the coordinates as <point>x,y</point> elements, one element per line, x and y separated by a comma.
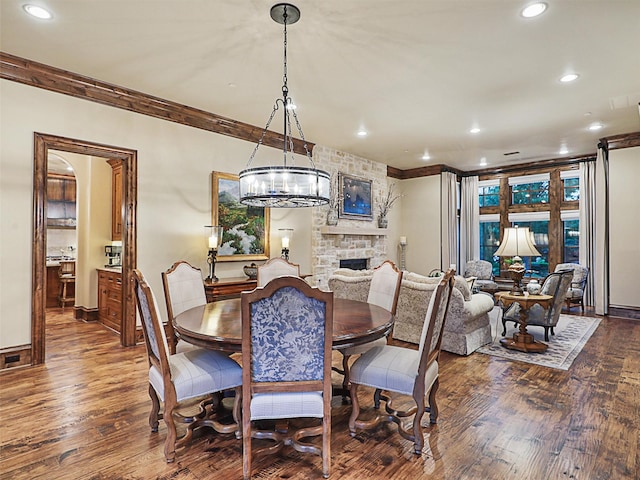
<point>287,334</point>
<point>575,294</point>
<point>483,271</point>
<point>556,284</point>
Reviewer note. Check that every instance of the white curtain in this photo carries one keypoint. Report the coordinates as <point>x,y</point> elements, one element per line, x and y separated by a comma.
<point>601,264</point>
<point>469,220</point>
<point>588,226</point>
<point>449,220</point>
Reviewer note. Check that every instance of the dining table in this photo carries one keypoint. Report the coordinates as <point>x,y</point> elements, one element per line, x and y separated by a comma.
<point>218,325</point>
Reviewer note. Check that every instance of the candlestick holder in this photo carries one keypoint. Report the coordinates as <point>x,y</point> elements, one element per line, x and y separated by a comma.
<point>213,234</point>
<point>403,264</point>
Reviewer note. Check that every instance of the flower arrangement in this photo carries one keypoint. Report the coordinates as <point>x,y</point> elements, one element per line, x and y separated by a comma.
<point>387,200</point>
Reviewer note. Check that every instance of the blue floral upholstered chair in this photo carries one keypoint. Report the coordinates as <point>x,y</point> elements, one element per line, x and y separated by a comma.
<point>556,284</point>
<point>575,294</point>
<point>405,371</point>
<point>183,376</point>
<point>287,334</point>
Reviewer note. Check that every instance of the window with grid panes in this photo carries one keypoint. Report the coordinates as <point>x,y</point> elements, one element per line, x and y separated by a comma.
<point>571,188</point>
<point>489,196</point>
<point>489,240</point>
<point>571,237</point>
<point>530,193</point>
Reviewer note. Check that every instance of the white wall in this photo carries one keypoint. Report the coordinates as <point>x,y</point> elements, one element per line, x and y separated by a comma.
<point>624,227</point>
<point>174,190</point>
<point>420,223</point>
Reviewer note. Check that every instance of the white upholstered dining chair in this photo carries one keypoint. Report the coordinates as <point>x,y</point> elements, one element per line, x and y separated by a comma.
<point>404,371</point>
<point>183,376</point>
<point>183,289</point>
<point>276,267</point>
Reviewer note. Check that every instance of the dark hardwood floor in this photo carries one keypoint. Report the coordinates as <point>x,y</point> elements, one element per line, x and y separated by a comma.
<point>83,415</point>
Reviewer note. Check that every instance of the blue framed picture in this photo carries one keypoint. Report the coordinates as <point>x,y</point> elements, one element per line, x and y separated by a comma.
<point>355,195</point>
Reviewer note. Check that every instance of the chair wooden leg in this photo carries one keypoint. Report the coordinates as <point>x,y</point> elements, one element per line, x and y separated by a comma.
<point>546,334</point>
<point>246,438</point>
<point>345,378</point>
<point>170,441</point>
<point>355,409</point>
<point>155,409</point>
<point>418,436</point>
<point>433,406</point>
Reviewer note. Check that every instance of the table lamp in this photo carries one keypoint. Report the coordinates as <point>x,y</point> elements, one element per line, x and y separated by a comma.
<point>213,233</point>
<point>516,242</point>
<point>286,235</point>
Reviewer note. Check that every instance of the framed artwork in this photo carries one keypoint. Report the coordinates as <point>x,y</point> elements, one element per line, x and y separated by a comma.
<point>245,234</point>
<point>356,197</point>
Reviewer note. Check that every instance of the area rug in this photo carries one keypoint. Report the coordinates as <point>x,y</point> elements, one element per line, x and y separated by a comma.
<point>571,334</point>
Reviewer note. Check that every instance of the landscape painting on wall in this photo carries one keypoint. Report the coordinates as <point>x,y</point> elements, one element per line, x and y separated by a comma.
<point>356,197</point>
<point>245,234</point>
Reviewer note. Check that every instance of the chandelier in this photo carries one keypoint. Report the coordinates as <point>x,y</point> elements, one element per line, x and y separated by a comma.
<point>285,185</point>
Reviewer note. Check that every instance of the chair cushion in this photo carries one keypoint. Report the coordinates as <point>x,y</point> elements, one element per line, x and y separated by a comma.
<point>286,405</point>
<point>358,349</point>
<point>574,293</point>
<point>391,368</point>
<point>198,372</point>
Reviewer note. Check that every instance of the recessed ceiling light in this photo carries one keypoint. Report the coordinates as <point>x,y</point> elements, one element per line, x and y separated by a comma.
<point>38,12</point>
<point>362,132</point>
<point>483,161</point>
<point>595,126</point>
<point>70,169</point>
<point>569,77</point>
<point>474,130</point>
<point>563,150</point>
<point>534,9</point>
<point>426,156</point>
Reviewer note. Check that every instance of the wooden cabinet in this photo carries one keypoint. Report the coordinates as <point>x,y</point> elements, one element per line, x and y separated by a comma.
<point>61,201</point>
<point>116,199</point>
<point>228,288</point>
<point>110,299</point>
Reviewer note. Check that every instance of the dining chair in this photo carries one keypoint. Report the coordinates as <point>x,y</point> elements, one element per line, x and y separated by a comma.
<point>183,376</point>
<point>183,289</point>
<point>276,267</point>
<point>556,284</point>
<point>287,331</point>
<point>404,371</point>
<point>384,290</point>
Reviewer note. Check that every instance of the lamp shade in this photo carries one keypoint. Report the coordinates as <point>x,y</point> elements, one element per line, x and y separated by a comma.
<point>517,242</point>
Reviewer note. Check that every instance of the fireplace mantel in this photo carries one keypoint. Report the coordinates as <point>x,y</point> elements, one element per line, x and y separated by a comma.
<point>377,232</point>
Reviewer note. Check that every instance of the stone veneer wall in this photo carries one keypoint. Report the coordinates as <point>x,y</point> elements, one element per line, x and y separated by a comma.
<point>328,250</point>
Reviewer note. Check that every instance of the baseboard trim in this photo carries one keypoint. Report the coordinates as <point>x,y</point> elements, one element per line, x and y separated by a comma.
<point>18,356</point>
<point>85,314</point>
<point>625,312</point>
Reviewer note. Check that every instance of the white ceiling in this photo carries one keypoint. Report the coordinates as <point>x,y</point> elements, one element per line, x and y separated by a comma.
<point>416,74</point>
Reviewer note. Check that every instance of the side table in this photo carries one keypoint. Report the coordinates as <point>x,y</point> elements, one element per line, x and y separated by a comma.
<point>226,288</point>
<point>522,340</point>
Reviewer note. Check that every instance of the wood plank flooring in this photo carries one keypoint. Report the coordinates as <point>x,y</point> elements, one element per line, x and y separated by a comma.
<point>83,415</point>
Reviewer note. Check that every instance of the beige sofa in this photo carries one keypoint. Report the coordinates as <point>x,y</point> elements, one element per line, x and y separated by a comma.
<point>467,325</point>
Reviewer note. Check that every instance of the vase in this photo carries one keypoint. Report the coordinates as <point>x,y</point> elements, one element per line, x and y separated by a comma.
<point>383,222</point>
<point>533,287</point>
<point>332,217</point>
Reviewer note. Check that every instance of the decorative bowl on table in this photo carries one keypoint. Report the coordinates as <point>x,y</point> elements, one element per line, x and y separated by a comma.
<point>251,271</point>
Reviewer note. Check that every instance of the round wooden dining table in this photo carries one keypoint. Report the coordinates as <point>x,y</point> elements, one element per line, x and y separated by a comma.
<point>218,325</point>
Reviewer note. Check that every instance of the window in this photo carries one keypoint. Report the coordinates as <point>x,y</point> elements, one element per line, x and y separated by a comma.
<point>489,240</point>
<point>537,267</point>
<point>530,193</point>
<point>489,196</point>
<point>570,236</point>
<point>571,187</point>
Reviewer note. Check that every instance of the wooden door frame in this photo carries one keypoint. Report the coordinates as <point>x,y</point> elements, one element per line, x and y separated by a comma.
<point>42,143</point>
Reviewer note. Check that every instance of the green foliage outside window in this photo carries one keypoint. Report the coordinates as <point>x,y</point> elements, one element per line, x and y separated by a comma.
<point>571,230</point>
<point>489,239</point>
<point>571,188</point>
<point>489,196</point>
<point>530,193</point>
<point>538,266</point>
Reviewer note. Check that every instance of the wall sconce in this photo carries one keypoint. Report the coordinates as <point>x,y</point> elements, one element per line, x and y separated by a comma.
<point>214,240</point>
<point>403,246</point>
<point>286,235</point>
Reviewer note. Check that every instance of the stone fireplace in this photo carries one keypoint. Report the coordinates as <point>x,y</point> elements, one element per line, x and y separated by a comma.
<point>350,239</point>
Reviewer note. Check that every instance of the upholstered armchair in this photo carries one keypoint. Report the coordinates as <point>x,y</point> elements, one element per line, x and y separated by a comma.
<point>575,294</point>
<point>483,273</point>
<point>556,284</point>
